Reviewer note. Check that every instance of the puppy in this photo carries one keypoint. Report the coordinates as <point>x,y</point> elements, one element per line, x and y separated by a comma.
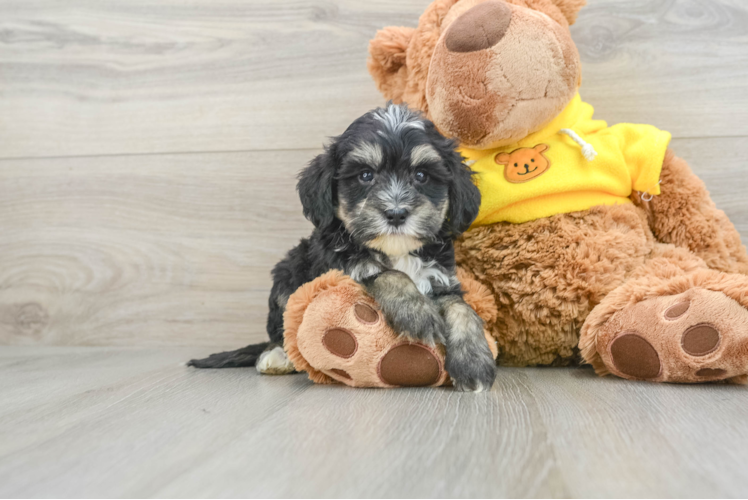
<point>387,198</point>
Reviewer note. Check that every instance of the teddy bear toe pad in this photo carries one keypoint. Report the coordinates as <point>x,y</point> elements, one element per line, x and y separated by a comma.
<point>413,365</point>
<point>634,356</point>
<point>700,340</point>
<point>340,342</point>
<point>697,336</point>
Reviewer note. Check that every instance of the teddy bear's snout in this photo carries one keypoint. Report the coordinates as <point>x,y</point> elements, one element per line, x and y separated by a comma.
<point>480,27</point>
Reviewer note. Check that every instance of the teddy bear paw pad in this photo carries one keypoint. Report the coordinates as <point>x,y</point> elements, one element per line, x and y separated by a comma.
<point>365,314</point>
<point>340,342</point>
<point>711,372</point>
<point>700,340</point>
<point>634,356</point>
<point>678,310</point>
<point>410,365</point>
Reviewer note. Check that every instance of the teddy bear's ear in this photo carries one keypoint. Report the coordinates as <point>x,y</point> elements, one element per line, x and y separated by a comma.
<point>502,158</point>
<point>387,60</point>
<point>541,147</point>
<point>569,8</point>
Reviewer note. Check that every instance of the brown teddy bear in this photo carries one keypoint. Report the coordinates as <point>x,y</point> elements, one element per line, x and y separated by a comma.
<point>593,243</point>
<point>613,250</point>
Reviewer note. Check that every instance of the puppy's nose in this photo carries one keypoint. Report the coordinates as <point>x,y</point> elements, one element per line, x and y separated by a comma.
<point>480,27</point>
<point>396,217</point>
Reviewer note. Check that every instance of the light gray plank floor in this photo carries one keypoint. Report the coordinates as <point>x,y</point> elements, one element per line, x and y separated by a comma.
<point>108,421</point>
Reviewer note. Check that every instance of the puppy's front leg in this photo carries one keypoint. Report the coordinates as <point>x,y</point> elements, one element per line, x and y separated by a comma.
<point>407,310</point>
<point>469,360</point>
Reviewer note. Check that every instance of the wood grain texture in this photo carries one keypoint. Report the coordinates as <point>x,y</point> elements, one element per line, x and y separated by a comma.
<point>113,422</point>
<point>109,77</point>
<point>144,250</point>
<point>680,65</point>
<point>177,249</point>
<point>87,77</point>
<point>722,163</point>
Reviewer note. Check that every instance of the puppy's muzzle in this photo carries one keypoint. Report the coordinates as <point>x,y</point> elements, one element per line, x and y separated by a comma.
<point>396,217</point>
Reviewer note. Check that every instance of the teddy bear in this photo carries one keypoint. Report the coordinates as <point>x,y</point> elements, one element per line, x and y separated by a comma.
<point>594,243</point>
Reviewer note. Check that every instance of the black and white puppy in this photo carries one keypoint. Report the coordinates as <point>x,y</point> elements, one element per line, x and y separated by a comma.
<point>387,198</point>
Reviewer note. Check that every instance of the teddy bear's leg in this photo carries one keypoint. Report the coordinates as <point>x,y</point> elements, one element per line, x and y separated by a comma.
<point>671,324</point>
<point>335,332</point>
<point>684,215</point>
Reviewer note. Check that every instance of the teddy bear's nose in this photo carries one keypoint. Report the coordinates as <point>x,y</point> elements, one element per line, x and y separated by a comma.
<point>480,27</point>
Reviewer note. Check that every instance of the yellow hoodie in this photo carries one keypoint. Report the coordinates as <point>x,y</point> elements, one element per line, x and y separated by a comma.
<point>549,172</point>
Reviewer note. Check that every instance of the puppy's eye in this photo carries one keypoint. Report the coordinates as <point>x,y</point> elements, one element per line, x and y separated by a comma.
<point>366,176</point>
<point>421,176</point>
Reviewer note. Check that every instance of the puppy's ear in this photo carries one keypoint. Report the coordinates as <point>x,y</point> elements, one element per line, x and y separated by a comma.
<point>464,196</point>
<point>316,188</point>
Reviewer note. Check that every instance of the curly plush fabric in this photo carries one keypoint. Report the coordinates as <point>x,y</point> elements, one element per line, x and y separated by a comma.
<point>686,216</point>
<point>548,275</point>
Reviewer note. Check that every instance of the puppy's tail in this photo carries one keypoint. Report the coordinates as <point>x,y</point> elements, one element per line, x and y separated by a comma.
<point>246,356</point>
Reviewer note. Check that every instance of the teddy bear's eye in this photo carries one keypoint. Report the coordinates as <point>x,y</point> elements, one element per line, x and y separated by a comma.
<point>533,160</point>
<point>515,164</point>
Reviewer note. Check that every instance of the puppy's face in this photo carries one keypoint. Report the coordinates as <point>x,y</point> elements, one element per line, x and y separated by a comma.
<point>396,182</point>
<point>393,195</point>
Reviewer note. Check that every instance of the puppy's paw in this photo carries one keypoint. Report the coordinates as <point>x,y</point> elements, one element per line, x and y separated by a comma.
<point>274,361</point>
<point>419,322</point>
<point>408,311</point>
<point>471,372</point>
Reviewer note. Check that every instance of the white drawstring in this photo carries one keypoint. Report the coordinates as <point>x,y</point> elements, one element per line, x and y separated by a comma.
<point>587,150</point>
<point>645,196</point>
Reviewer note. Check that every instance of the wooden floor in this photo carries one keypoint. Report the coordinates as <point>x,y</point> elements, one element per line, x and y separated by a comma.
<point>148,153</point>
<point>130,422</point>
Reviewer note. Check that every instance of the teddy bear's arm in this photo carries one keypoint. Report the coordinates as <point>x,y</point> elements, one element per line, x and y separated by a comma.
<point>685,215</point>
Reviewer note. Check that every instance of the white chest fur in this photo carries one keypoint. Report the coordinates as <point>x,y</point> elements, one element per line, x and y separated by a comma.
<point>422,273</point>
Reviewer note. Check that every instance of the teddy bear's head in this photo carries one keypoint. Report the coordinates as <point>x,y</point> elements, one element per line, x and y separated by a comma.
<point>488,72</point>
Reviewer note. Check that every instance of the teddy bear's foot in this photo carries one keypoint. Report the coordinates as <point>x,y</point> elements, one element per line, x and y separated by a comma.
<point>699,335</point>
<point>335,333</point>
